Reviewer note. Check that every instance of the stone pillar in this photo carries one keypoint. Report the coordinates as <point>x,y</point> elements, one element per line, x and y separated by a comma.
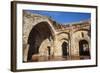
<point>54,46</point>
<point>25,53</point>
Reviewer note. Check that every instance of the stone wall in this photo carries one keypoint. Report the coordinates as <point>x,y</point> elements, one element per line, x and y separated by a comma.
<point>71,34</point>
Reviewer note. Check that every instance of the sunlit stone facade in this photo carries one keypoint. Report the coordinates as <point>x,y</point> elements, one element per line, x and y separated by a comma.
<point>42,36</point>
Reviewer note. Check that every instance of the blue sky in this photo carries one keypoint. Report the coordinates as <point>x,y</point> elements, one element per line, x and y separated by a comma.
<point>63,17</point>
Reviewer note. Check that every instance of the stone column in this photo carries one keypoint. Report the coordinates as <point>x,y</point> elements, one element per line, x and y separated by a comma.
<point>25,53</point>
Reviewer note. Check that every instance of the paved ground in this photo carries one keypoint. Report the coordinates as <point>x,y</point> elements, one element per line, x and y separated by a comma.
<point>57,58</point>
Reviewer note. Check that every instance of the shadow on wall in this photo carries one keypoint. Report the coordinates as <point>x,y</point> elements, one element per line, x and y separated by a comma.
<point>38,34</point>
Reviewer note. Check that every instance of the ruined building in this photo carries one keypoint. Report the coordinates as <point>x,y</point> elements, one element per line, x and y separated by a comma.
<point>44,37</point>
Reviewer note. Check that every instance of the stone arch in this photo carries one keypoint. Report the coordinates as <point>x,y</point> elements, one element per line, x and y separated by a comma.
<point>40,33</point>
<point>49,23</point>
<point>75,39</point>
<point>84,48</point>
<point>29,22</point>
<point>29,27</point>
<point>60,38</point>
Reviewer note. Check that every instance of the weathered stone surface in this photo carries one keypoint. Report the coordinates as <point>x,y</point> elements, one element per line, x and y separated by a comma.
<point>52,35</point>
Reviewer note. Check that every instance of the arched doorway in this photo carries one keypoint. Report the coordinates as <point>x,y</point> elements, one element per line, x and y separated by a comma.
<point>64,49</point>
<point>37,35</point>
<point>84,48</point>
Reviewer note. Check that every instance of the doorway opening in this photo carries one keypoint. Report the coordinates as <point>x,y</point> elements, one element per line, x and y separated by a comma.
<point>64,49</point>
<point>49,50</point>
<point>84,48</point>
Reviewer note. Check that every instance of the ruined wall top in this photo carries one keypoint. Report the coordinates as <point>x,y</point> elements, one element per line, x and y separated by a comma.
<point>57,26</point>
